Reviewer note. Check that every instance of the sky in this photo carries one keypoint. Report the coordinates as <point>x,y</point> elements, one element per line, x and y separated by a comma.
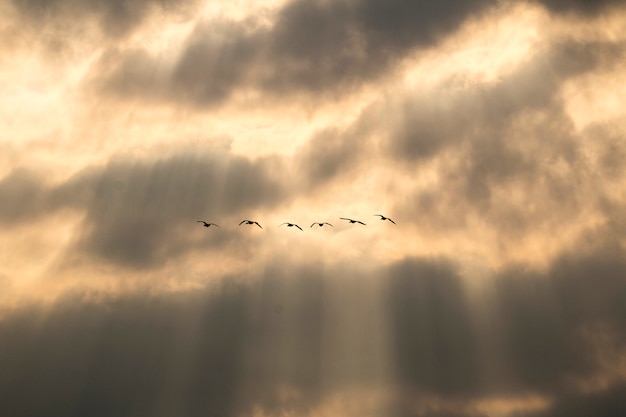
<point>493,132</point>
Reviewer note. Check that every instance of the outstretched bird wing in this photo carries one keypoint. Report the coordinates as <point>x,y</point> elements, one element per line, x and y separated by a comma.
<point>200,221</point>
<point>345,218</point>
<point>298,226</point>
<point>329,224</point>
<point>391,220</point>
<point>242,222</point>
<point>258,224</point>
<point>360,222</point>
<point>216,225</point>
<point>313,224</point>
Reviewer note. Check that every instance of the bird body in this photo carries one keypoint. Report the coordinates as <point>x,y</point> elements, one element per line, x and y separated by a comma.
<point>249,222</point>
<point>291,225</point>
<point>320,224</point>
<point>205,224</point>
<point>384,218</point>
<point>352,220</point>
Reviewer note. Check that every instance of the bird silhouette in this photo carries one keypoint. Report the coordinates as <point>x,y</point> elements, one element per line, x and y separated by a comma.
<point>351,220</point>
<point>322,224</point>
<point>384,218</point>
<point>249,222</point>
<point>291,225</point>
<point>207,224</point>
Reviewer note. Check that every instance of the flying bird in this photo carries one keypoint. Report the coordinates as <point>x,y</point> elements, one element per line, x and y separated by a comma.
<point>249,222</point>
<point>384,218</point>
<point>351,220</point>
<point>322,224</point>
<point>207,224</point>
<point>291,225</point>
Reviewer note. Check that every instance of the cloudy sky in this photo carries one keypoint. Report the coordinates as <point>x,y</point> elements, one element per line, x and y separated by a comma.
<point>493,132</point>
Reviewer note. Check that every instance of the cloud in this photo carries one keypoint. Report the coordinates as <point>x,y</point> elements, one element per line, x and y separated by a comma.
<point>216,60</point>
<point>128,354</point>
<point>288,337</point>
<point>434,345</point>
<point>508,153</point>
<point>116,18</point>
<point>337,153</point>
<point>294,329</point>
<point>331,43</point>
<point>539,320</point>
<point>134,209</point>
<point>320,48</point>
<point>580,7</point>
<point>549,319</point>
<point>489,135</point>
<point>223,351</point>
<point>311,47</point>
<point>23,196</point>
<point>428,124</point>
<point>502,147</point>
<point>604,403</point>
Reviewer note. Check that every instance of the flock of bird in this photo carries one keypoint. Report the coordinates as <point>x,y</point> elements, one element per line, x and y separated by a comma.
<point>320,224</point>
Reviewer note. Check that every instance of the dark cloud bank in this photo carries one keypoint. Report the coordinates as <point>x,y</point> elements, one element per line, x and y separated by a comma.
<point>227,350</point>
<point>580,7</point>
<point>135,207</point>
<point>514,135</point>
<point>386,22</point>
<point>116,18</point>
<point>312,47</point>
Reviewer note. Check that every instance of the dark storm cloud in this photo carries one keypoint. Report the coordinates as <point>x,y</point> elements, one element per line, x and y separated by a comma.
<point>541,320</point>
<point>115,17</point>
<point>514,134</point>
<point>221,352</point>
<point>544,319</point>
<point>135,72</point>
<point>429,124</point>
<point>215,61</point>
<point>134,208</point>
<point>217,58</point>
<point>181,355</point>
<point>400,410</point>
<point>312,47</point>
<point>228,350</point>
<point>434,345</point>
<point>326,155</point>
<point>23,196</point>
<point>231,349</point>
<point>580,7</point>
<point>336,153</point>
<point>322,44</point>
